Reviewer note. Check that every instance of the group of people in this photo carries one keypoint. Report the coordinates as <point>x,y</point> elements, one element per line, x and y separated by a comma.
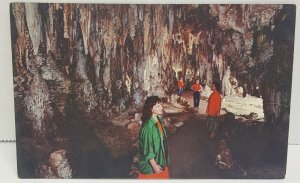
<point>153,148</point>
<point>196,87</point>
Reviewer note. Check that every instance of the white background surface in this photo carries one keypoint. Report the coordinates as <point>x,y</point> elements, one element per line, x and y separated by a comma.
<point>8,171</point>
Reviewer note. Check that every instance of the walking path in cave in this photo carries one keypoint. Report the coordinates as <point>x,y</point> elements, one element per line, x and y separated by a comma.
<point>192,153</point>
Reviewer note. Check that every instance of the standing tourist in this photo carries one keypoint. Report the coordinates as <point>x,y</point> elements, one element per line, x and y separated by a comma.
<point>180,86</point>
<point>153,149</point>
<point>197,89</point>
<point>213,109</point>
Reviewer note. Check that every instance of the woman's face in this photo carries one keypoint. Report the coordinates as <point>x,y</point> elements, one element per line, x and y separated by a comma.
<point>157,109</point>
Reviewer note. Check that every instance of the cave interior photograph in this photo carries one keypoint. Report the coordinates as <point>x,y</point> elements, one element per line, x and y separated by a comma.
<point>83,74</point>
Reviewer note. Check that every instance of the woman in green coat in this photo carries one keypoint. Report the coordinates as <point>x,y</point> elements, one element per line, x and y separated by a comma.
<point>153,149</point>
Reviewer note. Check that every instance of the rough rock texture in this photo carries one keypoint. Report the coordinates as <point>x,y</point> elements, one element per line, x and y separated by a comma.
<point>57,166</point>
<point>276,88</point>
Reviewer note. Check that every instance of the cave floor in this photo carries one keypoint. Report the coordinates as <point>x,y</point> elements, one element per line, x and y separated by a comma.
<point>193,154</point>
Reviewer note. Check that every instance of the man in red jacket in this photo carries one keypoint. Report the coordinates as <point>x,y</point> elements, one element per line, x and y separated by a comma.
<point>213,109</point>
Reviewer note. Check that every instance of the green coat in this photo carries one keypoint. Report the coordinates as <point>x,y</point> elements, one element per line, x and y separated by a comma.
<point>152,145</point>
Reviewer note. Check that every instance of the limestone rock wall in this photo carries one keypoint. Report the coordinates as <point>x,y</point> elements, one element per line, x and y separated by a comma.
<point>112,56</point>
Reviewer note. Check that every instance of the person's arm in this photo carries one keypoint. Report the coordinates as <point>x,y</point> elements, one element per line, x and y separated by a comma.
<point>155,166</point>
<point>147,140</point>
<point>208,104</point>
<point>217,105</point>
<point>200,88</point>
<point>149,149</point>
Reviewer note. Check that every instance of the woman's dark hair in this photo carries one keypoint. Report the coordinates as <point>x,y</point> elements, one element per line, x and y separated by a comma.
<point>217,85</point>
<point>147,109</point>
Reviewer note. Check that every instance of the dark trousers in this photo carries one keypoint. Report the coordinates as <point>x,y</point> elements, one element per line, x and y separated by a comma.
<point>196,99</point>
<point>180,91</point>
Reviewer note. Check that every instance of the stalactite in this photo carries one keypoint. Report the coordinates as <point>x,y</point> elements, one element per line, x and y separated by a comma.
<point>170,19</point>
<point>51,39</point>
<point>18,10</point>
<point>85,22</point>
<point>166,60</point>
<point>147,27</point>
<point>220,65</point>
<point>84,93</point>
<point>80,72</point>
<point>96,62</point>
<point>151,80</point>
<point>248,37</point>
<point>209,75</point>
<point>159,29</point>
<point>133,20</point>
<point>230,16</point>
<point>66,20</point>
<point>34,23</point>
<point>94,48</point>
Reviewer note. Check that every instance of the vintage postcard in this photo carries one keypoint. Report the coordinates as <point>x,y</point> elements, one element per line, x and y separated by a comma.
<point>144,91</point>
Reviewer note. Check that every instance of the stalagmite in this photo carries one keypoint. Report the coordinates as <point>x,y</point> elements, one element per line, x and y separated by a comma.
<point>96,61</point>
<point>37,107</point>
<point>226,85</point>
<point>57,166</point>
